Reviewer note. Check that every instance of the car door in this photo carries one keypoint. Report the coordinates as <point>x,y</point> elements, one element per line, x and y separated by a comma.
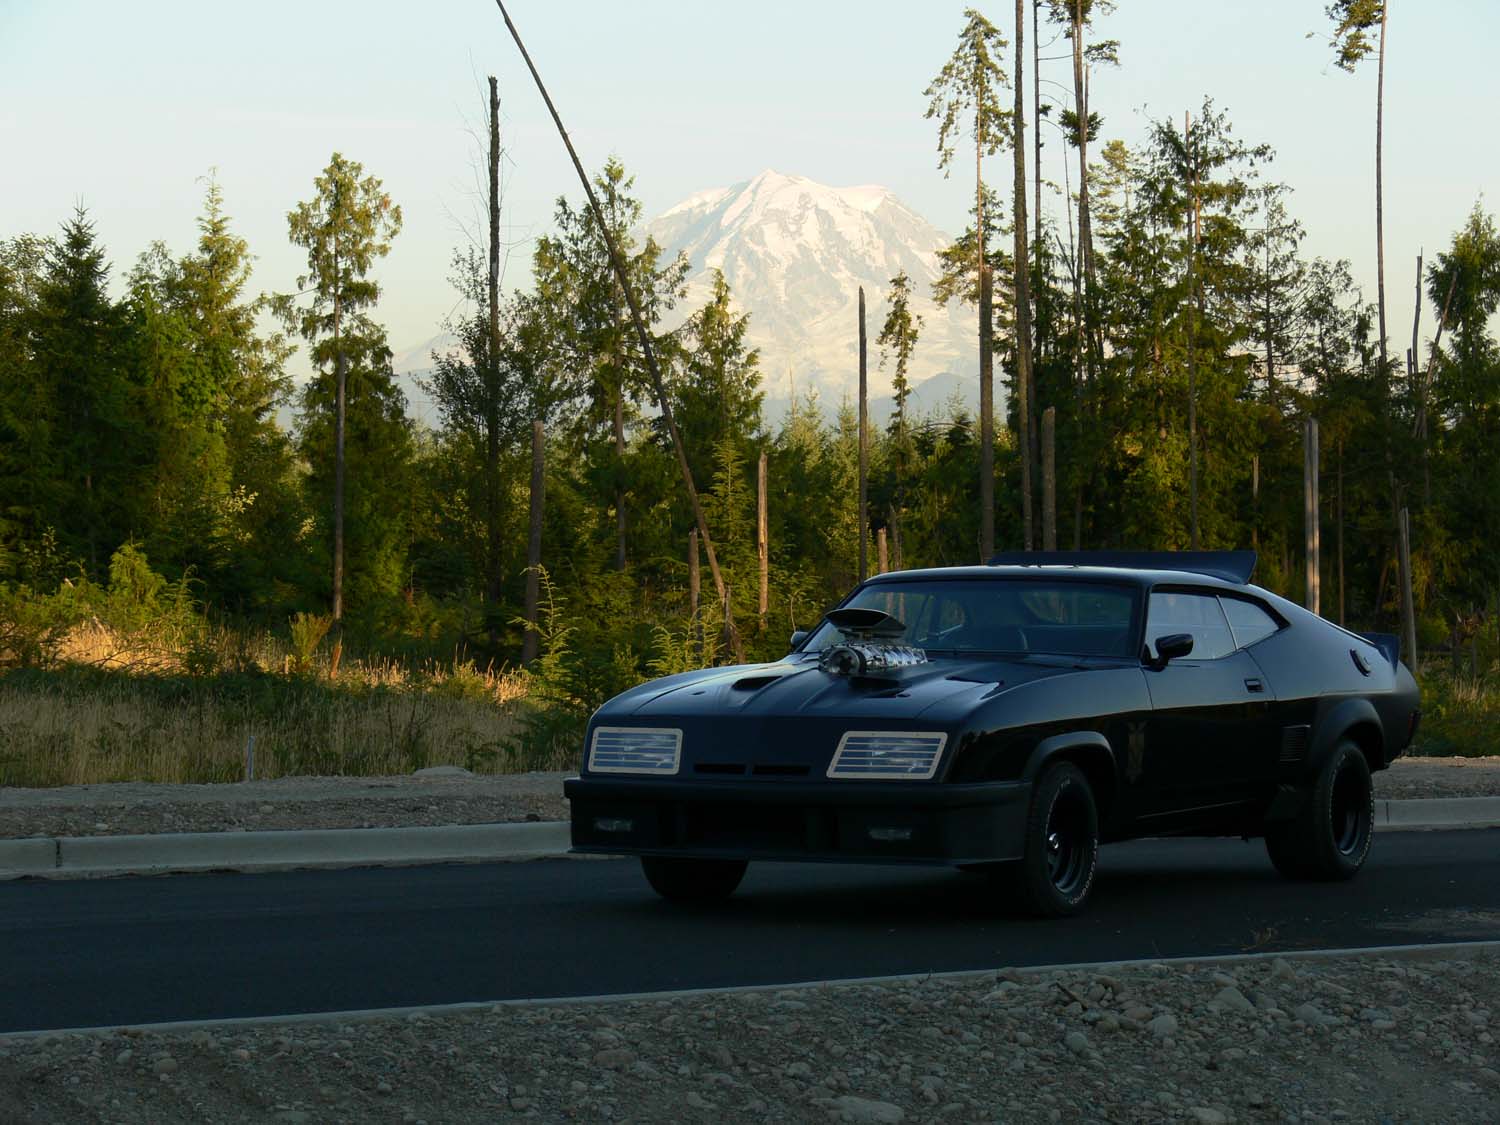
<point>1209,710</point>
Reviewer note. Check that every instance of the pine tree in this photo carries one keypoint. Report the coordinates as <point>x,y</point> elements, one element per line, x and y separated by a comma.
<point>968,88</point>
<point>344,229</point>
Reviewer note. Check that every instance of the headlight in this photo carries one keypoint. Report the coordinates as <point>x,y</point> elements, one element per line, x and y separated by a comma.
<point>652,750</point>
<point>910,755</point>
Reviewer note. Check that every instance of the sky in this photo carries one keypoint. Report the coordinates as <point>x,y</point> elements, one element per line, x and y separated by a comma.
<point>125,108</point>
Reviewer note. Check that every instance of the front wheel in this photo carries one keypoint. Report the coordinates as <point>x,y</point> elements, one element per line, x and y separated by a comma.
<point>1330,837</point>
<point>682,879</point>
<point>1061,849</point>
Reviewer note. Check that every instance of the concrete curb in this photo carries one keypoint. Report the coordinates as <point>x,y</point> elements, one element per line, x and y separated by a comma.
<point>85,856</point>
<point>1436,951</point>
<point>94,856</point>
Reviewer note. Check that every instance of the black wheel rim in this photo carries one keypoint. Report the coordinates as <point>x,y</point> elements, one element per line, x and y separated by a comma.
<point>1349,809</point>
<point>1069,844</point>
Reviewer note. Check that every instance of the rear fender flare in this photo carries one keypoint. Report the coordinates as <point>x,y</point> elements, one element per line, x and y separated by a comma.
<point>1093,754</point>
<point>1335,724</point>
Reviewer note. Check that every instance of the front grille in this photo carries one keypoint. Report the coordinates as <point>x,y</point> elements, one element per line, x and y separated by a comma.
<point>1294,742</point>
<point>732,769</point>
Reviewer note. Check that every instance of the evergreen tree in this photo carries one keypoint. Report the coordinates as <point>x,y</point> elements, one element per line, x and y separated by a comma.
<point>968,88</point>
<point>718,395</point>
<point>344,229</point>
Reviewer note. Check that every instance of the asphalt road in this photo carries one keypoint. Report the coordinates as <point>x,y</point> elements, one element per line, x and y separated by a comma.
<point>89,953</point>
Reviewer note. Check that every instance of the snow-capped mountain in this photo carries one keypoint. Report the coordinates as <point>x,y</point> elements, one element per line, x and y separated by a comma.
<point>795,253</point>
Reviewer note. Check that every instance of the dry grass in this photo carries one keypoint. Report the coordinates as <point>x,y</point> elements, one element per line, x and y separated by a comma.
<point>88,725</point>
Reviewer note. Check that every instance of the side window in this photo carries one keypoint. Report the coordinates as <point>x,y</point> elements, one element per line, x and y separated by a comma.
<point>1198,614</point>
<point>1248,621</point>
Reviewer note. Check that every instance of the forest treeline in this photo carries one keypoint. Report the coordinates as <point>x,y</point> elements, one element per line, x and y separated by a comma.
<point>1170,319</point>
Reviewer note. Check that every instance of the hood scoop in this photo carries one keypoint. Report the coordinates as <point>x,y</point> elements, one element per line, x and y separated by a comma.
<point>754,683</point>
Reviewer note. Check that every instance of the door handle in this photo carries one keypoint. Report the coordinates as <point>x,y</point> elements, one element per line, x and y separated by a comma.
<point>1254,684</point>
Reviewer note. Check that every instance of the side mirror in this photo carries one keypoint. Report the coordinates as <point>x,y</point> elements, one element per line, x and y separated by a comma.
<point>797,638</point>
<point>1172,647</point>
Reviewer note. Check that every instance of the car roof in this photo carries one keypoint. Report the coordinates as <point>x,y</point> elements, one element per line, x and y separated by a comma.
<point>1127,575</point>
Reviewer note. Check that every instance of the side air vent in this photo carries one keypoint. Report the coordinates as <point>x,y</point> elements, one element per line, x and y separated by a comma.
<point>1294,742</point>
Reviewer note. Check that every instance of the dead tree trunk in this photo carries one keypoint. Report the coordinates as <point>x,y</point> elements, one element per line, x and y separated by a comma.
<point>531,642</point>
<point>1022,286</point>
<point>492,388</point>
<point>882,559</point>
<point>986,418</point>
<point>694,584</point>
<point>1049,479</point>
<point>1192,350</point>
<point>1310,511</point>
<point>762,541</point>
<point>1408,607</point>
<point>864,445</point>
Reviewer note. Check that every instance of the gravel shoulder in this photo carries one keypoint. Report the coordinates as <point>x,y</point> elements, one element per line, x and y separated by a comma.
<point>449,796</point>
<point>1270,1041</point>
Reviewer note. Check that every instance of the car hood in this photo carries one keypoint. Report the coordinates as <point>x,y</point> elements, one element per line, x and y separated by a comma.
<point>798,687</point>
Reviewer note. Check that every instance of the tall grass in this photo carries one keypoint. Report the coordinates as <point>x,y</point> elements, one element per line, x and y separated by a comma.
<point>1460,714</point>
<point>76,725</point>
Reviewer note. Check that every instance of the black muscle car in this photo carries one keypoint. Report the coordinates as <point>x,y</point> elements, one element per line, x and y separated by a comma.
<point>1009,718</point>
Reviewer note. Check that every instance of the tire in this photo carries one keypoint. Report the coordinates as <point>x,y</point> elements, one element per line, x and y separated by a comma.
<point>681,879</point>
<point>1061,848</point>
<point>1330,836</point>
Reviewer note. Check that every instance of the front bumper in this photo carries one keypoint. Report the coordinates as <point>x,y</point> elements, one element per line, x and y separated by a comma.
<point>856,822</point>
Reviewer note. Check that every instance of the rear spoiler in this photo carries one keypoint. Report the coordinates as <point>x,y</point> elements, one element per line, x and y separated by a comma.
<point>1231,566</point>
<point>1388,643</point>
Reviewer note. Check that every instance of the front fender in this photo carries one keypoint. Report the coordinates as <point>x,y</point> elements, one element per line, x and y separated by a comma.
<point>1090,750</point>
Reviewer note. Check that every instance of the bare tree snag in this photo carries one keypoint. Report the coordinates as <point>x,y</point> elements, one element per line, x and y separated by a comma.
<point>658,385</point>
<point>762,541</point>
<point>492,388</point>
<point>1049,479</point>
<point>1024,395</point>
<point>1310,512</point>
<point>882,558</point>
<point>1408,608</point>
<point>531,642</point>
<point>864,445</point>
<point>694,587</point>
<point>986,416</point>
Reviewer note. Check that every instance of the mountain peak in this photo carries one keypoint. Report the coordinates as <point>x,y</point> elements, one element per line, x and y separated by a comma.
<point>795,253</point>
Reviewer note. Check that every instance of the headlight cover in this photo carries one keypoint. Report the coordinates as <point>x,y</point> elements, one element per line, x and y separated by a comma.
<point>888,754</point>
<point>644,750</point>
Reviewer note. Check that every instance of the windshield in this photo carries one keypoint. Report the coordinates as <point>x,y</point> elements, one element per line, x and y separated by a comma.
<point>1002,616</point>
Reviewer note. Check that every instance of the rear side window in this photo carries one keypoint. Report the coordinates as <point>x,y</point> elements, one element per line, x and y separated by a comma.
<point>1249,622</point>
<point>1198,614</point>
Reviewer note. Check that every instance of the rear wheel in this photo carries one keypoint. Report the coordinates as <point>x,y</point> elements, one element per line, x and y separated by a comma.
<point>1061,848</point>
<point>682,879</point>
<point>1330,837</point>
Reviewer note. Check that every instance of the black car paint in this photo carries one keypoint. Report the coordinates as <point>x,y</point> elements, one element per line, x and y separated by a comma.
<point>1210,747</point>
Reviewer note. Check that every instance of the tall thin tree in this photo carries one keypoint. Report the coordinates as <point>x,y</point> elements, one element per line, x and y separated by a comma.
<point>347,225</point>
<point>1024,389</point>
<point>968,87</point>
